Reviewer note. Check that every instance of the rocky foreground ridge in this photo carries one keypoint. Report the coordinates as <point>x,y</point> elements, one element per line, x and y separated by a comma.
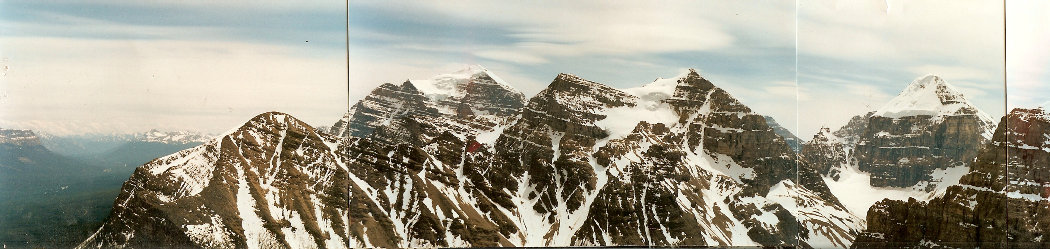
<point>1000,203</point>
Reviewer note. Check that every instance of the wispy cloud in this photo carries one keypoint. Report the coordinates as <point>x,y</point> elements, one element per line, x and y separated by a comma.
<point>128,66</point>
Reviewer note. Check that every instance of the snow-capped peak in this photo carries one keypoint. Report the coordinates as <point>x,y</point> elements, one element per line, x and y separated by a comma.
<point>173,137</point>
<point>660,89</point>
<point>453,84</point>
<point>929,95</point>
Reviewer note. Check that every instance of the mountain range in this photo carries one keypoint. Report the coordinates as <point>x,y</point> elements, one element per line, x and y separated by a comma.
<point>37,184</point>
<point>465,160</point>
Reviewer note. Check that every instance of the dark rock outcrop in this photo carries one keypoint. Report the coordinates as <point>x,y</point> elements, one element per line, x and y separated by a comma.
<point>825,153</point>
<point>1000,203</point>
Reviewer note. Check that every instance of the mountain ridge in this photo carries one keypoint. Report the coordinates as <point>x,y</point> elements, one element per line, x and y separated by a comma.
<point>674,162</point>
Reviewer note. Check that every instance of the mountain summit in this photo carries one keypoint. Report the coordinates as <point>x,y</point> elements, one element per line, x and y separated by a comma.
<point>929,126</point>
<point>473,96</point>
<point>916,145</point>
<point>458,84</point>
<point>273,182</point>
<point>931,95</point>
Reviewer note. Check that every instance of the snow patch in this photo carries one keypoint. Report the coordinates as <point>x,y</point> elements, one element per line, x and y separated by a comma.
<point>621,121</point>
<point>854,190</point>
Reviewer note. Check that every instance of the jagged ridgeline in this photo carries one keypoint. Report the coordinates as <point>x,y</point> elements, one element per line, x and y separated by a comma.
<point>675,162</point>
<point>464,159</point>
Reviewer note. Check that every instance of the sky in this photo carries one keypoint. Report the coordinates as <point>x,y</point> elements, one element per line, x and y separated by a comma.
<point>851,56</point>
<point>108,66</point>
<point>111,66</point>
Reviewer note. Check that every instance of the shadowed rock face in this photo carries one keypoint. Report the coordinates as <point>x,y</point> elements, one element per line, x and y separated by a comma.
<point>386,102</point>
<point>825,154</point>
<point>900,152</point>
<point>1000,203</point>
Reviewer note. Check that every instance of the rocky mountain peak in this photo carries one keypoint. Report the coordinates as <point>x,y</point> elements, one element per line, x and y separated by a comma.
<point>471,97</point>
<point>854,129</point>
<point>928,126</point>
<point>692,84</point>
<point>272,182</point>
<point>930,95</point>
<point>825,153</point>
<point>269,120</point>
<point>579,94</point>
<point>460,83</point>
<point>1028,129</point>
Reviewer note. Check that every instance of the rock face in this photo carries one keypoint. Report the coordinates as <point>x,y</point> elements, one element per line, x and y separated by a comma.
<point>826,153</point>
<point>1000,203</point>
<point>854,129</point>
<point>928,126</point>
<point>273,182</point>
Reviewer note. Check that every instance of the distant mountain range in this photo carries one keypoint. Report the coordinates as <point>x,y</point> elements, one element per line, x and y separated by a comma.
<point>38,186</point>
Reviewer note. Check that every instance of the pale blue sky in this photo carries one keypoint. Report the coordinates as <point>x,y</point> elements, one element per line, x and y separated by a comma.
<point>116,66</point>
